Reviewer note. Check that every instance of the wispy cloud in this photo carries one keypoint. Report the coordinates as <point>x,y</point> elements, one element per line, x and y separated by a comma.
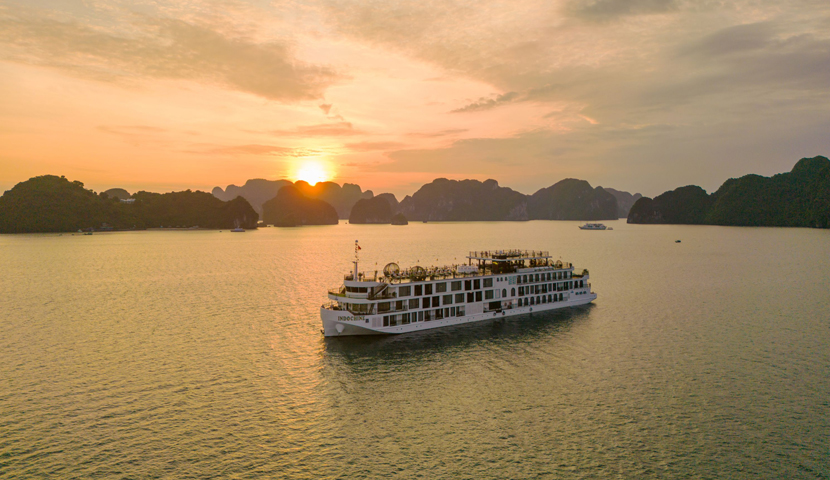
<point>161,48</point>
<point>373,146</point>
<point>488,103</point>
<point>321,129</point>
<point>440,133</point>
<point>604,10</point>
<point>253,149</point>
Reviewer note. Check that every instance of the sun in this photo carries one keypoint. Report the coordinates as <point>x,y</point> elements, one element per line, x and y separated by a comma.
<point>312,171</point>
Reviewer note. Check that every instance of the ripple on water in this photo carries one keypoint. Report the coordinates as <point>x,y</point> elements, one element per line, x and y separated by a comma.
<point>198,354</point>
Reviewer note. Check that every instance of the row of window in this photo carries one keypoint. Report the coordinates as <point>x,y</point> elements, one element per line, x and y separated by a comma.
<point>529,301</point>
<point>422,316</point>
<point>447,312</point>
<point>478,283</point>
<point>468,297</point>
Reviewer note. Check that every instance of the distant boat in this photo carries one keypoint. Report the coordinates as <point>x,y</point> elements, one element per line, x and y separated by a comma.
<point>238,229</point>
<point>593,226</point>
<point>87,233</point>
<point>677,241</point>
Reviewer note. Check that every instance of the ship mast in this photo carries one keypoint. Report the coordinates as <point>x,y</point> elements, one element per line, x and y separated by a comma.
<point>356,249</point>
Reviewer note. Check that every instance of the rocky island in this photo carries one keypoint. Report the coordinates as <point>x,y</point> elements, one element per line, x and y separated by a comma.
<point>799,198</point>
<point>54,204</point>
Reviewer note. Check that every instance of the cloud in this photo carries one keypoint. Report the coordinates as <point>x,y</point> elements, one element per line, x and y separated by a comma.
<point>440,133</point>
<point>604,10</point>
<point>373,146</point>
<point>162,48</point>
<point>484,103</point>
<point>252,149</point>
<point>325,107</point>
<point>322,129</point>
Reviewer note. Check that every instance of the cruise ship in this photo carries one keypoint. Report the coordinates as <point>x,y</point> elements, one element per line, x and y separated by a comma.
<point>493,284</point>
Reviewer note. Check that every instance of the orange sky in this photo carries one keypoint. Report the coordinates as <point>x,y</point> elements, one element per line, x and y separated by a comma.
<point>639,95</point>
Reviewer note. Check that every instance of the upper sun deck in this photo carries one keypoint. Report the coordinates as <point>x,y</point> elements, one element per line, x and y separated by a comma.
<point>487,262</point>
<point>509,255</point>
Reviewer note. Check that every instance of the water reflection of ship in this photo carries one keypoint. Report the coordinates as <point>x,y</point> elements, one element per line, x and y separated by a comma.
<point>375,351</point>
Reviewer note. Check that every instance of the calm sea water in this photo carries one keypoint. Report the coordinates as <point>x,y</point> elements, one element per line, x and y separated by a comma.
<point>199,355</point>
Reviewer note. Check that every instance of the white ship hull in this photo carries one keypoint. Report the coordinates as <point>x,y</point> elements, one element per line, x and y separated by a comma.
<point>341,323</point>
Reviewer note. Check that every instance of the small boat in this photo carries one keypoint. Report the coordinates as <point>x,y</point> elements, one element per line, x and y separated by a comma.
<point>238,229</point>
<point>677,241</point>
<point>593,226</point>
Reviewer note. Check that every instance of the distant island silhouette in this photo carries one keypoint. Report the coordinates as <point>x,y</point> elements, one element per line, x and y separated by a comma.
<point>799,198</point>
<point>290,208</point>
<point>48,203</point>
<point>54,204</point>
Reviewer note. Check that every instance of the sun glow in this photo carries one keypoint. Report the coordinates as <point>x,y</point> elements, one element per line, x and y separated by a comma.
<point>312,171</point>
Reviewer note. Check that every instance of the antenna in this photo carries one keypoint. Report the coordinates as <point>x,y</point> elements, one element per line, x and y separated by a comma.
<point>356,258</point>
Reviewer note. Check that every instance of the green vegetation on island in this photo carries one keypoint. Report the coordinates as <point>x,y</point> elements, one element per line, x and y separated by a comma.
<point>799,198</point>
<point>399,219</point>
<point>572,199</point>
<point>471,200</point>
<point>54,204</point>
<point>371,210</point>
<point>290,208</point>
<point>464,200</point>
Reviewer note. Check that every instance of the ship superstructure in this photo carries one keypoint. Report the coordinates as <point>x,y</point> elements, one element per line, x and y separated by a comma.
<point>494,283</point>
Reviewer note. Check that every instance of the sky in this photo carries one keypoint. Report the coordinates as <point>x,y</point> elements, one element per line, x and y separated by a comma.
<point>638,95</point>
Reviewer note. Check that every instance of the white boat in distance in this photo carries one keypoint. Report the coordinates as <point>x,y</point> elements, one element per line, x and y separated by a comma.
<point>593,226</point>
<point>496,283</point>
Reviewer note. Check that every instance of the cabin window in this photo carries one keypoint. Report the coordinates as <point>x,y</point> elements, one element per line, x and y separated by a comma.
<point>488,295</point>
<point>428,289</point>
<point>399,305</point>
<point>470,297</point>
<point>447,299</point>
<point>419,290</point>
<point>452,311</point>
<point>531,301</point>
<point>440,287</point>
<point>521,291</point>
<point>420,316</point>
<point>548,277</point>
<point>478,296</point>
<point>536,278</point>
<point>425,303</point>
<point>560,297</point>
<point>404,291</point>
<point>459,298</point>
<point>503,292</point>
<point>386,320</point>
<point>383,307</point>
<point>513,292</point>
<point>548,298</point>
<point>519,279</point>
<point>581,283</point>
<point>488,283</point>
<point>524,278</point>
<point>413,303</point>
<point>476,284</point>
<point>468,285</point>
<point>405,318</point>
<point>459,311</point>
<point>455,286</point>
